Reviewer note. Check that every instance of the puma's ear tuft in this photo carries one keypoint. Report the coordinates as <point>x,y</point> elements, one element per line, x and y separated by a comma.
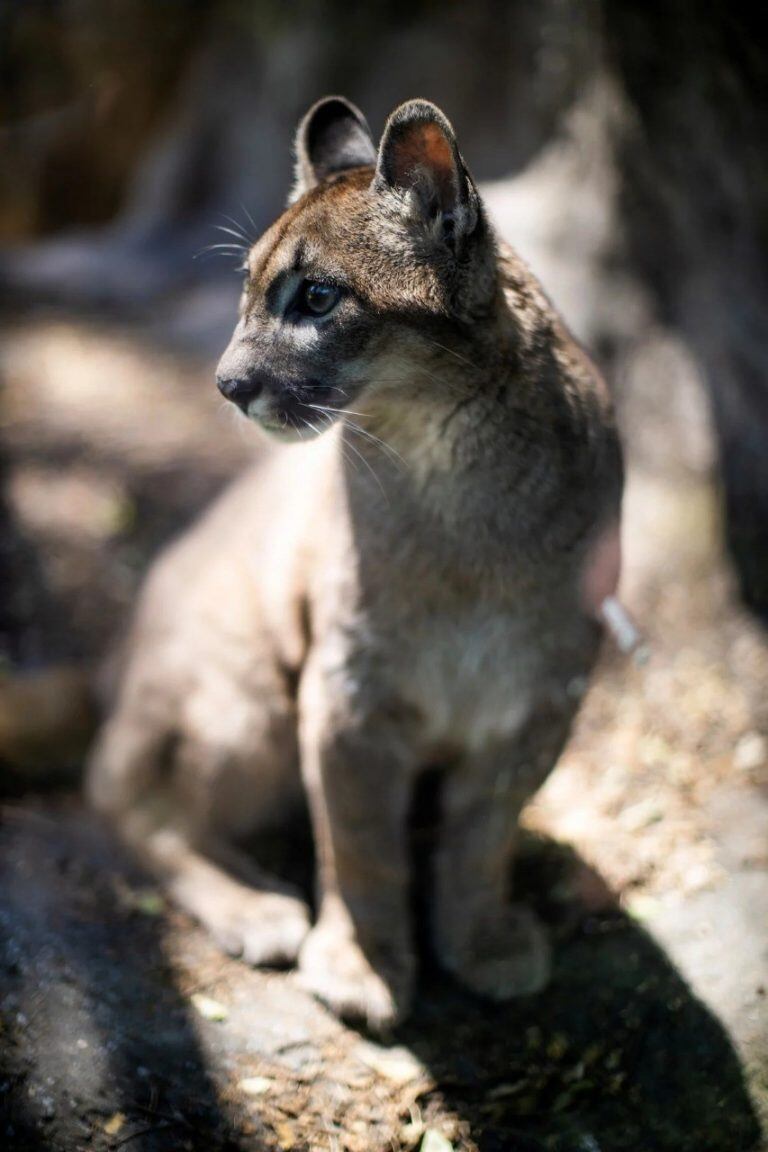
<point>419,156</point>
<point>332,137</point>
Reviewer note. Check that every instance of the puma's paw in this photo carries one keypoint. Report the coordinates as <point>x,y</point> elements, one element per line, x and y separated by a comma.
<point>504,953</point>
<point>260,928</point>
<point>375,990</point>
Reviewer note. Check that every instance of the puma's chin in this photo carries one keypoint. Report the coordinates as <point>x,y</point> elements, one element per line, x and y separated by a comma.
<point>288,425</point>
<point>286,432</point>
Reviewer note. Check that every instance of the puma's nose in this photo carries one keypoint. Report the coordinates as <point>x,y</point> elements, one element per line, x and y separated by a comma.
<point>240,392</point>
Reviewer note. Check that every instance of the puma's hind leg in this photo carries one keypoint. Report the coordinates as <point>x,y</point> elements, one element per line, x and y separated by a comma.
<point>180,780</point>
<point>248,912</point>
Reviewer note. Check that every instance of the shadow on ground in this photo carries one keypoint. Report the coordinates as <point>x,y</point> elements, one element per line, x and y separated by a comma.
<point>97,1044</point>
<point>617,1054</point>
<point>102,1046</point>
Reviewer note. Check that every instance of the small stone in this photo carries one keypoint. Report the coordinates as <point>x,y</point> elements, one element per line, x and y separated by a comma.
<point>641,907</point>
<point>698,877</point>
<point>397,1065</point>
<point>750,753</point>
<point>255,1085</point>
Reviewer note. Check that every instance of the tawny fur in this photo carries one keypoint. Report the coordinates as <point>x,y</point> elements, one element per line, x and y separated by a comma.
<point>406,589</point>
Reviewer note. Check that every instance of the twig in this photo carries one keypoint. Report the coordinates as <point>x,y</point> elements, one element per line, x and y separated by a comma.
<point>140,1132</point>
<point>168,1117</point>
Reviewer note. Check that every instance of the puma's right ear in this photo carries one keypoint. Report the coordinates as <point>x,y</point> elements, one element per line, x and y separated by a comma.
<point>332,137</point>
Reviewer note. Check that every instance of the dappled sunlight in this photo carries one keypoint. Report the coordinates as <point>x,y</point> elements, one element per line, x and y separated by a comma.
<point>617,151</point>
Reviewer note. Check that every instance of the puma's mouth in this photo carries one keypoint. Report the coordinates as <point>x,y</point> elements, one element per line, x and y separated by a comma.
<point>291,420</point>
<point>289,410</point>
<point>282,426</point>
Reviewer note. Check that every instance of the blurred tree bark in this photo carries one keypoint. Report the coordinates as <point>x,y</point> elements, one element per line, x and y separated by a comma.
<point>83,84</point>
<point>694,202</point>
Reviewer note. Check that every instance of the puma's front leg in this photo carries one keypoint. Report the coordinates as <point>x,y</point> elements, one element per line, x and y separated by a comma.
<point>495,947</point>
<point>358,768</point>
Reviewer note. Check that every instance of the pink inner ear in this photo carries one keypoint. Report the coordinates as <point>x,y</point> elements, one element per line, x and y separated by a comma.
<point>423,145</point>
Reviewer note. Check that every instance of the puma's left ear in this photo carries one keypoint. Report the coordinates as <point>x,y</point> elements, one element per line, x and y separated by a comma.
<point>332,137</point>
<point>419,156</point>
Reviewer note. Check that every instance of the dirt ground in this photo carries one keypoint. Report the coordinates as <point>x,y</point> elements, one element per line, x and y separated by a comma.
<point>646,852</point>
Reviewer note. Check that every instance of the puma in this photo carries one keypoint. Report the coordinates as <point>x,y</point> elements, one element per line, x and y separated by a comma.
<point>408,577</point>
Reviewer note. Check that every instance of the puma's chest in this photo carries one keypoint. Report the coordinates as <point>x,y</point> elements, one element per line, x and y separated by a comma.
<point>475,675</point>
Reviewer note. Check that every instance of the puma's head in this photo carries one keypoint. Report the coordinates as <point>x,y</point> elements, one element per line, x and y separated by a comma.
<point>380,259</point>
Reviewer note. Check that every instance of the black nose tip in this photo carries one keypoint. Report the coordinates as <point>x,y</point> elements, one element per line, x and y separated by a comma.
<point>240,392</point>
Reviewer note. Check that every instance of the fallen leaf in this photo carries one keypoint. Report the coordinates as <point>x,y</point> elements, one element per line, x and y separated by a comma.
<point>285,1134</point>
<point>114,1124</point>
<point>209,1009</point>
<point>149,902</point>
<point>557,1047</point>
<point>503,1090</point>
<point>434,1142</point>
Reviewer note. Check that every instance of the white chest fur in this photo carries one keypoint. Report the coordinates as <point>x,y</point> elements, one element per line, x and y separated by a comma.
<point>473,677</point>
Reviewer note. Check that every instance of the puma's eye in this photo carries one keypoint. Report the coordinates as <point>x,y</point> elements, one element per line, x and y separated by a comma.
<point>316,298</point>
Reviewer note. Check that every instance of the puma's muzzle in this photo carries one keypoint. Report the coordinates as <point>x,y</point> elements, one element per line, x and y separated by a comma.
<point>290,409</point>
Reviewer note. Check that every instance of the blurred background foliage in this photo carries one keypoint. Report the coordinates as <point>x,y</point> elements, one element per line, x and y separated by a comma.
<point>622,146</point>
<point>81,90</point>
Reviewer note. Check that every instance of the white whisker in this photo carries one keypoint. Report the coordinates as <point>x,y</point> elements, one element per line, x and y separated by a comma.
<point>347,459</point>
<point>240,227</point>
<point>231,232</point>
<point>394,455</point>
<point>221,249</point>
<point>369,466</point>
<point>450,351</point>
<point>325,408</point>
<point>251,220</point>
